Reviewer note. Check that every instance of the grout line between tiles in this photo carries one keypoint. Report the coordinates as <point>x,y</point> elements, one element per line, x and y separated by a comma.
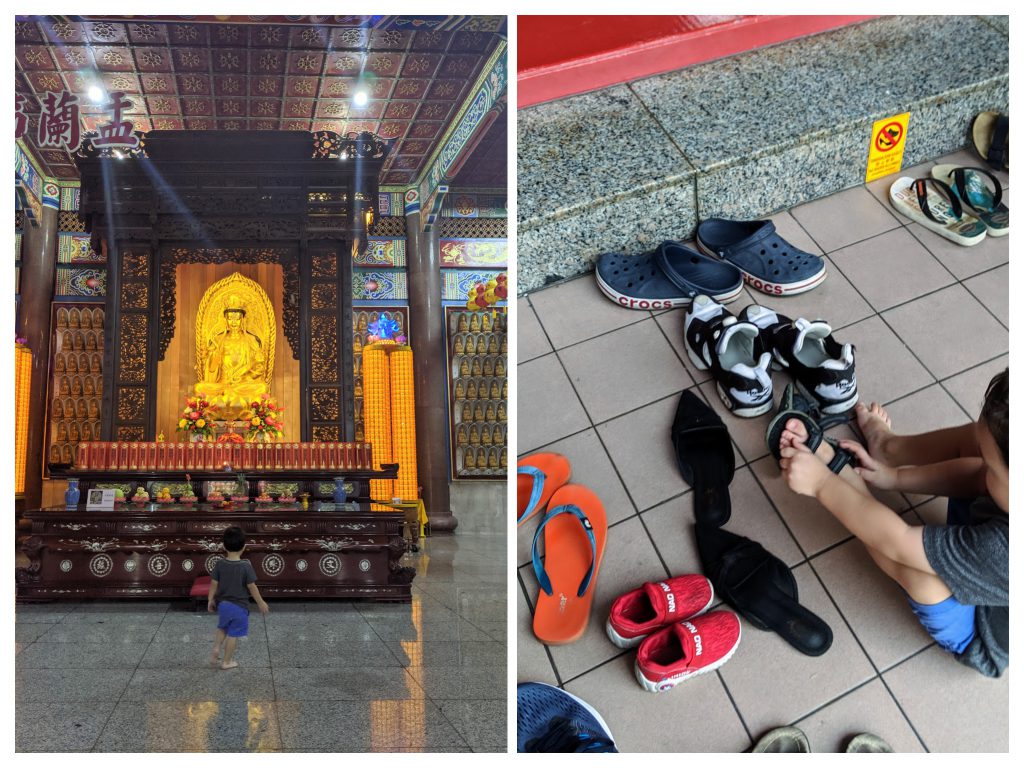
<point>735,706</point>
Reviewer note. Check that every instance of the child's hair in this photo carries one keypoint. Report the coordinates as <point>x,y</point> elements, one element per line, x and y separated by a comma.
<point>996,412</point>
<point>234,539</point>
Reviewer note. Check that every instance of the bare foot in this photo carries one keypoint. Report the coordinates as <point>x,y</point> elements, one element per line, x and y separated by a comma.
<point>876,426</point>
<point>214,658</point>
<point>796,433</point>
<point>229,665</point>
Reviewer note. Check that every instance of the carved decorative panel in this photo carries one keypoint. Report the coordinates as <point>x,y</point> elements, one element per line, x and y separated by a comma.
<point>134,295</point>
<point>131,403</point>
<point>389,226</point>
<point>325,265</point>
<point>473,228</point>
<point>326,405</point>
<point>132,354</point>
<point>323,334</point>
<point>326,433</point>
<point>70,221</point>
<point>135,266</point>
<point>131,433</point>
<point>324,296</point>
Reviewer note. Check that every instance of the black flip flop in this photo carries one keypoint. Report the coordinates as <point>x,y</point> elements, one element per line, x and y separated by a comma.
<point>761,588</point>
<point>705,458</point>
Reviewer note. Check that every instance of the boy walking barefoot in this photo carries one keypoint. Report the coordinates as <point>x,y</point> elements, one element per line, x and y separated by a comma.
<point>956,576</point>
<point>232,582</point>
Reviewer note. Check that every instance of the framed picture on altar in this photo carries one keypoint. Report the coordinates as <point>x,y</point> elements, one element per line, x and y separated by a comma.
<point>100,499</point>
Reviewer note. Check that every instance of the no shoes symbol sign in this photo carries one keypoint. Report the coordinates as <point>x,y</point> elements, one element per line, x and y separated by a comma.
<point>885,153</point>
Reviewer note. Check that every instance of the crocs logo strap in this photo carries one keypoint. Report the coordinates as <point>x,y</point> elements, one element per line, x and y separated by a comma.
<point>538,567</point>
<point>535,493</point>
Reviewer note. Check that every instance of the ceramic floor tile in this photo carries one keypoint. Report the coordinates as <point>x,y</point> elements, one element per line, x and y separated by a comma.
<point>950,331</point>
<point>963,261</point>
<point>640,447</point>
<point>532,662</point>
<point>992,289</point>
<point>43,655</point>
<point>624,370</point>
<point>576,310</point>
<point>482,724</point>
<point>629,560</point>
<point>69,685</point>
<point>874,605</point>
<point>530,337</point>
<point>27,633</point>
<point>886,369</point>
<point>200,684</point>
<point>462,682</point>
<point>793,684</point>
<point>449,653</point>
<point>366,726</point>
<point>54,727</point>
<point>968,388</point>
<point>934,511</point>
<point>891,268</point>
<point>869,709</point>
<point>113,632</point>
<point>174,654</point>
<point>671,526</point>
<point>343,653</point>
<point>844,218</point>
<point>183,726</point>
<point>340,683</point>
<point>549,408</point>
<point>976,719</point>
<point>671,323</point>
<point>665,722</point>
<point>202,631</point>
<point>747,434</point>
<point>455,629</point>
<point>42,614</point>
<point>590,467</point>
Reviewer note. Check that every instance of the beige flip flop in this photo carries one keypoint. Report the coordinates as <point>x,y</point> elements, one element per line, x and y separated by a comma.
<point>933,205</point>
<point>990,132</point>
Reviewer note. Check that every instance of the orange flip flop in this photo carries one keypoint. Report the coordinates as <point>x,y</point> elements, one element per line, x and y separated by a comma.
<point>575,530</point>
<point>539,476</point>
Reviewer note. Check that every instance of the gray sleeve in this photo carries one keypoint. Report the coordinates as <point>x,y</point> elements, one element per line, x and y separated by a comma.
<point>973,561</point>
<point>250,574</point>
<point>215,573</point>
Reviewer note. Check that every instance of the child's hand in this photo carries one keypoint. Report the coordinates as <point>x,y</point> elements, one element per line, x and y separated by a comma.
<point>210,607</point>
<point>874,472</point>
<point>264,608</point>
<point>804,472</point>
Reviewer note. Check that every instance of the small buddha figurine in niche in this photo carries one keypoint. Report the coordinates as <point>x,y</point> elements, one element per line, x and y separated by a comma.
<point>95,363</point>
<point>467,412</point>
<point>478,412</point>
<point>474,435</point>
<point>87,388</point>
<point>67,341</point>
<point>90,342</point>
<point>59,365</point>
<point>81,409</point>
<point>471,390</point>
<point>504,345</point>
<point>58,410</point>
<point>495,393</point>
<point>502,413</point>
<point>62,431</point>
<point>461,436</point>
<point>463,325</point>
<point>73,433</point>
<point>499,435</point>
<point>98,384</point>
<point>359,386</point>
<point>504,389</point>
<point>363,323</point>
<point>359,433</point>
<point>86,318</point>
<point>62,317</point>
<point>492,459</point>
<point>94,410</point>
<point>499,367</point>
<point>490,412</point>
<point>464,367</point>
<point>460,390</point>
<point>67,454</point>
<point>65,386</point>
<point>357,343</point>
<point>485,323</point>
<point>469,459</point>
<point>474,324</point>
<point>477,368</point>
<point>55,454</point>
<point>72,364</point>
<point>74,318</point>
<point>470,345</point>
<point>83,363</point>
<point>76,386</point>
<point>504,458</point>
<point>460,344</point>
<point>485,435</point>
<point>492,345</point>
<point>86,431</point>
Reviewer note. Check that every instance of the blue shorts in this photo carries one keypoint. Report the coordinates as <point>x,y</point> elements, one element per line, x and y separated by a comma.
<point>950,623</point>
<point>233,619</point>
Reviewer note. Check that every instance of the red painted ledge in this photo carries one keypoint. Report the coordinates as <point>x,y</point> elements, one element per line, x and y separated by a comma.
<point>565,55</point>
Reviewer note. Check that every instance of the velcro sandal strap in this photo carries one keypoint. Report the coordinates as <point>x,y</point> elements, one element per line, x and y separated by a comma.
<point>841,458</point>
<point>535,493</point>
<point>538,567</point>
<point>921,188</point>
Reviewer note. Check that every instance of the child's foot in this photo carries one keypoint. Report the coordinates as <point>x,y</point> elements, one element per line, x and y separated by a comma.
<point>796,433</point>
<point>214,658</point>
<point>229,665</point>
<point>876,426</point>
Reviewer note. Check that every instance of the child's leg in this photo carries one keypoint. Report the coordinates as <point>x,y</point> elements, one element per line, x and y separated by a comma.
<point>927,448</point>
<point>218,640</point>
<point>921,587</point>
<point>229,652</point>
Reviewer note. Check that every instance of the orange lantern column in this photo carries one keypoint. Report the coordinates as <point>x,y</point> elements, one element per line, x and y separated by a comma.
<point>377,414</point>
<point>403,422</point>
<point>22,388</point>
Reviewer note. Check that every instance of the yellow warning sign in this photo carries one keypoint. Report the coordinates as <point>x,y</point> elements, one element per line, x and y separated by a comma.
<point>888,138</point>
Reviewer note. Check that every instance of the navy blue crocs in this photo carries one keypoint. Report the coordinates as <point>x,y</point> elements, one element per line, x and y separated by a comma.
<point>551,720</point>
<point>669,276</point>
<point>768,262</point>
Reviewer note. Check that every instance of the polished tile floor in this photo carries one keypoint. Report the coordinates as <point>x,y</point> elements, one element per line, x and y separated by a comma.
<point>314,676</point>
<point>599,384</point>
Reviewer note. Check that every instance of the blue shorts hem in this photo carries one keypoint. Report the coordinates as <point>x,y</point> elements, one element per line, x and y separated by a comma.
<point>950,622</point>
<point>232,619</point>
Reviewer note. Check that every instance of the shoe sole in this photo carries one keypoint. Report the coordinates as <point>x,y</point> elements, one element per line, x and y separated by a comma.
<point>630,302</point>
<point>766,286</point>
<point>667,684</point>
<point>832,408</point>
<point>746,412</point>
<point>632,642</point>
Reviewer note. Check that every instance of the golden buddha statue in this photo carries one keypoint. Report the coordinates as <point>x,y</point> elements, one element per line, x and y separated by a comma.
<point>469,459</point>
<point>488,366</point>
<point>474,324</point>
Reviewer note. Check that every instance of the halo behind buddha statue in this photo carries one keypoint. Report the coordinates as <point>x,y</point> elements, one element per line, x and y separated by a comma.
<point>236,335</point>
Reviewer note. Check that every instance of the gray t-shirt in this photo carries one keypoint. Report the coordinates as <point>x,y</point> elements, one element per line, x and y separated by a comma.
<point>232,577</point>
<point>974,562</point>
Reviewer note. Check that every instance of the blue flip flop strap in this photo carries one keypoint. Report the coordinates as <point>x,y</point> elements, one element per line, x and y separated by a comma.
<point>960,184</point>
<point>535,494</point>
<point>538,567</point>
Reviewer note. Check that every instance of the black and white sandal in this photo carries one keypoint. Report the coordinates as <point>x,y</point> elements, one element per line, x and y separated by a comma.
<point>795,406</point>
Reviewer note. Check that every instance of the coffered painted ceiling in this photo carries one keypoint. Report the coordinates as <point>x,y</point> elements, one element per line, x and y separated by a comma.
<point>269,73</point>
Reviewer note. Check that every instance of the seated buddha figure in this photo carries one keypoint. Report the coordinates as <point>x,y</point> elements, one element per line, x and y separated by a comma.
<point>235,367</point>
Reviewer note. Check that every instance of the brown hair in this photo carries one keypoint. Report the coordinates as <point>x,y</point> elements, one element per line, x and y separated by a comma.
<point>995,412</point>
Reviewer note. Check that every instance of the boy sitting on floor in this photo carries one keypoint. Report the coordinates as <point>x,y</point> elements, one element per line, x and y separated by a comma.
<point>956,576</point>
<point>232,581</point>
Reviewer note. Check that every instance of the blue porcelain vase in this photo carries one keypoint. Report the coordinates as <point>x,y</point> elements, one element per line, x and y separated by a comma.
<point>72,494</point>
<point>340,497</point>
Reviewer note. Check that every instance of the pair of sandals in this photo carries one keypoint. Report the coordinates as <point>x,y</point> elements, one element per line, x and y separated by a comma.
<point>759,585</point>
<point>574,526</point>
<point>955,203</point>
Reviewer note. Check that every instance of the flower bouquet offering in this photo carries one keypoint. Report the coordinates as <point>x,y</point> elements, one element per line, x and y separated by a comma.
<point>197,418</point>
<point>484,295</point>
<point>265,422</point>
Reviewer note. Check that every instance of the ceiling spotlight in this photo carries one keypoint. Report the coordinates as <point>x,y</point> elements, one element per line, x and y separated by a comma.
<point>361,98</point>
<point>96,94</point>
